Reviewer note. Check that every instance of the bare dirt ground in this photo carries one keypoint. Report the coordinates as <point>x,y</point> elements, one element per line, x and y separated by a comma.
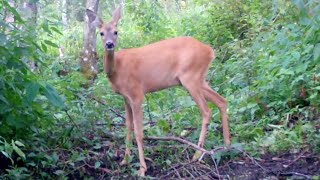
<point>303,165</point>
<point>293,166</point>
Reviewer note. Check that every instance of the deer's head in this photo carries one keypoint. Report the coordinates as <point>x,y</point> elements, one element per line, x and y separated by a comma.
<point>108,31</point>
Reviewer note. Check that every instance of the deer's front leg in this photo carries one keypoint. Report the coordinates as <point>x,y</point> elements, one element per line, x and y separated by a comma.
<point>129,125</point>
<point>138,131</point>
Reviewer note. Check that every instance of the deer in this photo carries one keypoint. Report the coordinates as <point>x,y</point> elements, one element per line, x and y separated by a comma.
<point>134,72</point>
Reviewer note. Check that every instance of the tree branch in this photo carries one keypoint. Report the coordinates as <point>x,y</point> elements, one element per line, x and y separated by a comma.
<point>111,109</point>
<point>192,145</point>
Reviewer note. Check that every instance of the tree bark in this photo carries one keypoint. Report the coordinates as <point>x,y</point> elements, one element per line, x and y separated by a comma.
<point>64,11</point>
<point>29,12</point>
<point>88,56</point>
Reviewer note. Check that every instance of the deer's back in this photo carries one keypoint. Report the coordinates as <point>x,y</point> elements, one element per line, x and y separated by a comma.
<point>161,64</point>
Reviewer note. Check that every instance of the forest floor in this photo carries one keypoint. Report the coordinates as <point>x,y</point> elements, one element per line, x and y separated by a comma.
<point>173,161</point>
<point>240,165</point>
<point>296,166</point>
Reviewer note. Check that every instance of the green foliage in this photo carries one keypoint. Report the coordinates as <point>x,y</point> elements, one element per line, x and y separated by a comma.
<point>7,149</point>
<point>275,74</point>
<point>25,96</point>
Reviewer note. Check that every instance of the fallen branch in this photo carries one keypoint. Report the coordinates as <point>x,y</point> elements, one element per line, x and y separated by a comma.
<point>151,123</point>
<point>295,160</point>
<point>113,136</point>
<point>252,159</point>
<point>216,167</point>
<point>172,138</point>
<point>192,145</point>
<point>111,109</point>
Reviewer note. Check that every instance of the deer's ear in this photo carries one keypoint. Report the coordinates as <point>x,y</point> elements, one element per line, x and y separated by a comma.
<point>116,15</point>
<point>94,20</point>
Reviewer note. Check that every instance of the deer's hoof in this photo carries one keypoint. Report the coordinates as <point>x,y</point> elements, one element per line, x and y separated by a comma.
<point>142,172</point>
<point>227,143</point>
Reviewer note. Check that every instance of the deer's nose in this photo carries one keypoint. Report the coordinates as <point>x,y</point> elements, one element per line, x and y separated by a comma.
<point>109,45</point>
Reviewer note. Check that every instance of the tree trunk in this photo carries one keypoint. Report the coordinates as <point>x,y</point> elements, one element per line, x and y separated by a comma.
<point>88,56</point>
<point>64,10</point>
<point>29,12</point>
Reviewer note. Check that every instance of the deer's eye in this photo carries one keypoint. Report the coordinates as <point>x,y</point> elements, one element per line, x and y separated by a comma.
<point>101,33</point>
<point>116,33</point>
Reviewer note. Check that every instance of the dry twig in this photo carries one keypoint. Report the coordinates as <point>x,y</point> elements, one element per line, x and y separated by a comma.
<point>252,159</point>
<point>295,160</point>
<point>111,109</point>
<point>71,119</point>
<point>192,145</point>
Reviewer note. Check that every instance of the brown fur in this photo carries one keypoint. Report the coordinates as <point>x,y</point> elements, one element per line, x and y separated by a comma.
<point>163,70</point>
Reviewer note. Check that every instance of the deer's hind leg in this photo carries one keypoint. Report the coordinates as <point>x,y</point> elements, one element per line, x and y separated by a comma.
<point>221,103</point>
<point>194,88</point>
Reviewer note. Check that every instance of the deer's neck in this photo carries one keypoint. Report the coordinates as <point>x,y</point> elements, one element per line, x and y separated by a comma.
<point>108,63</point>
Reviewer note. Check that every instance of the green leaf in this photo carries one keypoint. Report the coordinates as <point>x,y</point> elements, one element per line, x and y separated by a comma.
<point>53,96</point>
<point>285,72</point>
<point>45,27</point>
<point>316,88</point>
<point>238,146</point>
<point>44,47</point>
<point>97,164</point>
<point>18,150</point>
<point>8,156</point>
<point>3,99</point>
<point>56,30</point>
<point>187,101</point>
<point>32,91</point>
<point>163,124</point>
<point>296,55</point>
<point>50,43</point>
<point>3,39</point>
<point>59,172</point>
<point>19,143</point>
<point>5,154</point>
<point>268,141</point>
<point>32,164</point>
<point>316,52</point>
